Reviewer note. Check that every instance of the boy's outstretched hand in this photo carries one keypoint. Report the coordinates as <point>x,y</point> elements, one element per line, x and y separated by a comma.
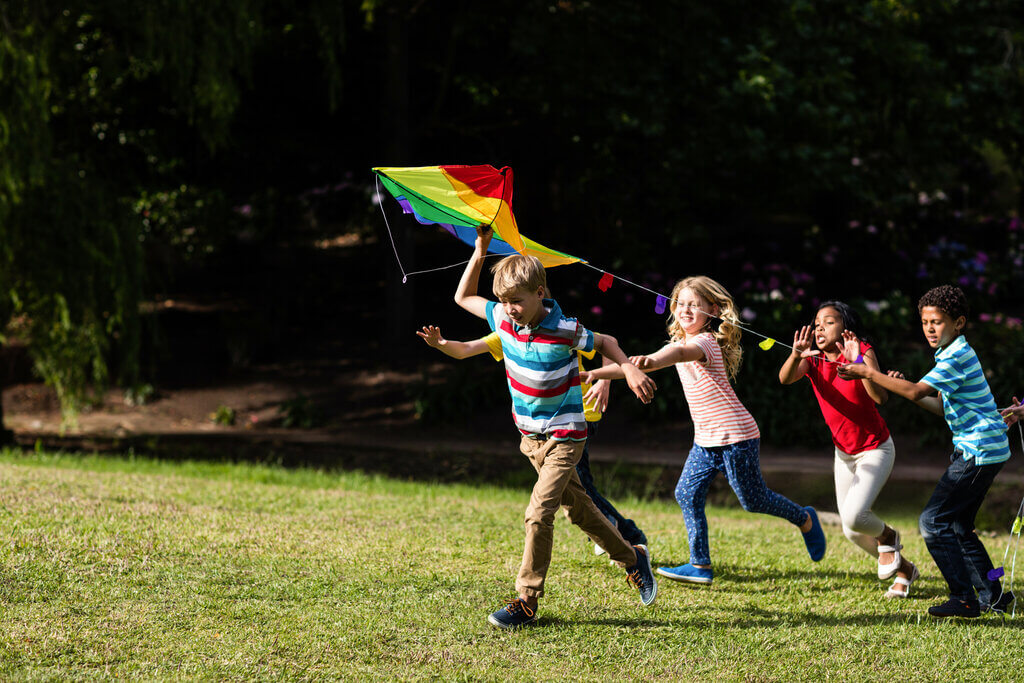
<point>642,385</point>
<point>854,371</point>
<point>597,397</point>
<point>1014,413</point>
<point>432,335</point>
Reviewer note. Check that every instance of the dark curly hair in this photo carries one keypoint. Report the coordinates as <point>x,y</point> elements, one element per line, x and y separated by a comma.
<point>948,299</point>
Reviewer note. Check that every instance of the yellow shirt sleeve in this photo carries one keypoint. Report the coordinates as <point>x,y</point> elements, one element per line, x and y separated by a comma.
<point>591,413</point>
<point>494,345</point>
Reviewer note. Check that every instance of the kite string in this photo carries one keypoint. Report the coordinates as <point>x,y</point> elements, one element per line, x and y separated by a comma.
<point>380,203</point>
<point>406,275</point>
<point>710,315</point>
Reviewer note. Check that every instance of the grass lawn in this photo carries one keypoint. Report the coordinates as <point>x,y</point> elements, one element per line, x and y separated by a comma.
<point>135,568</point>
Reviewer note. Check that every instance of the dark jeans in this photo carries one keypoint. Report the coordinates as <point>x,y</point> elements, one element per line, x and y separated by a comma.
<point>947,525</point>
<point>626,527</point>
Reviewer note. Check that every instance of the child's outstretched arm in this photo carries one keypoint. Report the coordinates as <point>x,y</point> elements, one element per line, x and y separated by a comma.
<point>1014,413</point>
<point>465,295</point>
<point>670,354</point>
<point>851,350</point>
<point>796,365</point>
<point>920,393</point>
<point>641,385</point>
<point>456,349</point>
<point>597,397</point>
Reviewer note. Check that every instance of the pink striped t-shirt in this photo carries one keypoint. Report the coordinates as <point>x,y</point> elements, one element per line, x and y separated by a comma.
<point>719,419</point>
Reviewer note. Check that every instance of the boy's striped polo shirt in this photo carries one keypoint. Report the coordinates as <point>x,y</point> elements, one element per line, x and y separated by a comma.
<point>543,372</point>
<point>971,412</point>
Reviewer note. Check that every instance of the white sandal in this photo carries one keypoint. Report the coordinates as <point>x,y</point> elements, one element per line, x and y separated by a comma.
<point>886,571</point>
<point>914,575</point>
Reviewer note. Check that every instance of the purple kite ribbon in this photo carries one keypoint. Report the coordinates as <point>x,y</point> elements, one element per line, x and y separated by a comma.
<point>994,574</point>
<point>659,304</point>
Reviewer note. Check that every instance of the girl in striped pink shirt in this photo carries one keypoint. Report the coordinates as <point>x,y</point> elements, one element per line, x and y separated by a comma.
<point>705,349</point>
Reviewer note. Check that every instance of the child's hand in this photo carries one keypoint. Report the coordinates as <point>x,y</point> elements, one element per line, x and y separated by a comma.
<point>854,371</point>
<point>802,343</point>
<point>642,362</point>
<point>484,233</point>
<point>1014,413</point>
<point>597,397</point>
<point>432,335</point>
<point>850,347</point>
<point>642,385</point>
<point>896,373</point>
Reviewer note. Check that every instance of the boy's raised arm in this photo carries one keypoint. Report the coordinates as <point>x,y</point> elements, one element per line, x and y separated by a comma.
<point>465,295</point>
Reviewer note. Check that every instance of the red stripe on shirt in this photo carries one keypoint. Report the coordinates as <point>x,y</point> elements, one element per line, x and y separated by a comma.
<point>543,393</point>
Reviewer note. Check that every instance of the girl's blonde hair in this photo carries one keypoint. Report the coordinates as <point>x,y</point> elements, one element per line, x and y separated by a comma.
<point>724,327</point>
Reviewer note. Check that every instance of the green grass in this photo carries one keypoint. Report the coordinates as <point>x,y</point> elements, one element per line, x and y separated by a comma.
<point>134,568</point>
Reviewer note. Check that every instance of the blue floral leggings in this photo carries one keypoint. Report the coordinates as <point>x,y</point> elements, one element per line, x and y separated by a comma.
<point>742,466</point>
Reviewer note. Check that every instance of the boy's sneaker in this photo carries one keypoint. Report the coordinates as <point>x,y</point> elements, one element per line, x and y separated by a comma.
<point>955,607</point>
<point>815,538</point>
<point>514,614</point>
<point>1001,606</point>
<point>640,575</point>
<point>687,573</point>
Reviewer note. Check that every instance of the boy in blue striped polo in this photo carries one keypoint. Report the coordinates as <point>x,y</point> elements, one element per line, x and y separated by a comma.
<point>980,449</point>
<point>540,346</point>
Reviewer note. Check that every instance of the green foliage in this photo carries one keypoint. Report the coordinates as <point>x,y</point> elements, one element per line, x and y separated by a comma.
<point>224,416</point>
<point>300,412</point>
<point>458,395</point>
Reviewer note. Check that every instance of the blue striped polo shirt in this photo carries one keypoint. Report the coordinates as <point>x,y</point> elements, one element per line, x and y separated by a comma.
<point>543,372</point>
<point>971,412</point>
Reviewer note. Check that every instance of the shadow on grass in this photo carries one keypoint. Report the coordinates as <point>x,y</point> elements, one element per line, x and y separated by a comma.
<point>754,617</point>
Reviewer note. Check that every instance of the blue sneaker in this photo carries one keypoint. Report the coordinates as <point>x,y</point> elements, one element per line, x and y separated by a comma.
<point>815,538</point>
<point>514,614</point>
<point>640,575</point>
<point>687,573</point>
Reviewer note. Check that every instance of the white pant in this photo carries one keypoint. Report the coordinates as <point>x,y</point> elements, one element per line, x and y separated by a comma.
<point>859,480</point>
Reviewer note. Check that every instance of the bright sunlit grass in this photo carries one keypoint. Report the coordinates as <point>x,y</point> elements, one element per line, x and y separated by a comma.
<point>119,567</point>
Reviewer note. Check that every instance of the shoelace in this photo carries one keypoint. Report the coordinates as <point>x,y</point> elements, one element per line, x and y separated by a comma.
<point>634,578</point>
<point>512,605</point>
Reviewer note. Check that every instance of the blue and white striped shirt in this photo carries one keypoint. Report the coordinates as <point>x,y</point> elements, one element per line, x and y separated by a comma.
<point>970,411</point>
<point>543,372</point>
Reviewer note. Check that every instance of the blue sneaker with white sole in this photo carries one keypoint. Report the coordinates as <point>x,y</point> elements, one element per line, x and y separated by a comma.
<point>815,538</point>
<point>687,573</point>
<point>514,614</point>
<point>641,576</point>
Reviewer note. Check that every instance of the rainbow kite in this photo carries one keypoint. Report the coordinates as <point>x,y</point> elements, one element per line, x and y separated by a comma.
<point>459,198</point>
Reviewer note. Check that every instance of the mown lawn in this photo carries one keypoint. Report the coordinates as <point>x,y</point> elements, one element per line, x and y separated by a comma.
<point>134,568</point>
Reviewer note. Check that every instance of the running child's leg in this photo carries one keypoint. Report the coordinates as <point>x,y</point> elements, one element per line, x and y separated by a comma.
<point>555,462</point>
<point>743,467</point>
<point>978,561</point>
<point>626,527</point>
<point>946,518</point>
<point>859,480</point>
<point>700,469</point>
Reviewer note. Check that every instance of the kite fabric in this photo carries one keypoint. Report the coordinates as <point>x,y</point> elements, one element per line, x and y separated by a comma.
<point>459,198</point>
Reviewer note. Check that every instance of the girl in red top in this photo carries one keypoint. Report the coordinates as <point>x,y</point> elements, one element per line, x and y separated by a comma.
<point>864,452</point>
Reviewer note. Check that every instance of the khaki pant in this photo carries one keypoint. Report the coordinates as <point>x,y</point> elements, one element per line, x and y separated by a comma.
<point>559,485</point>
